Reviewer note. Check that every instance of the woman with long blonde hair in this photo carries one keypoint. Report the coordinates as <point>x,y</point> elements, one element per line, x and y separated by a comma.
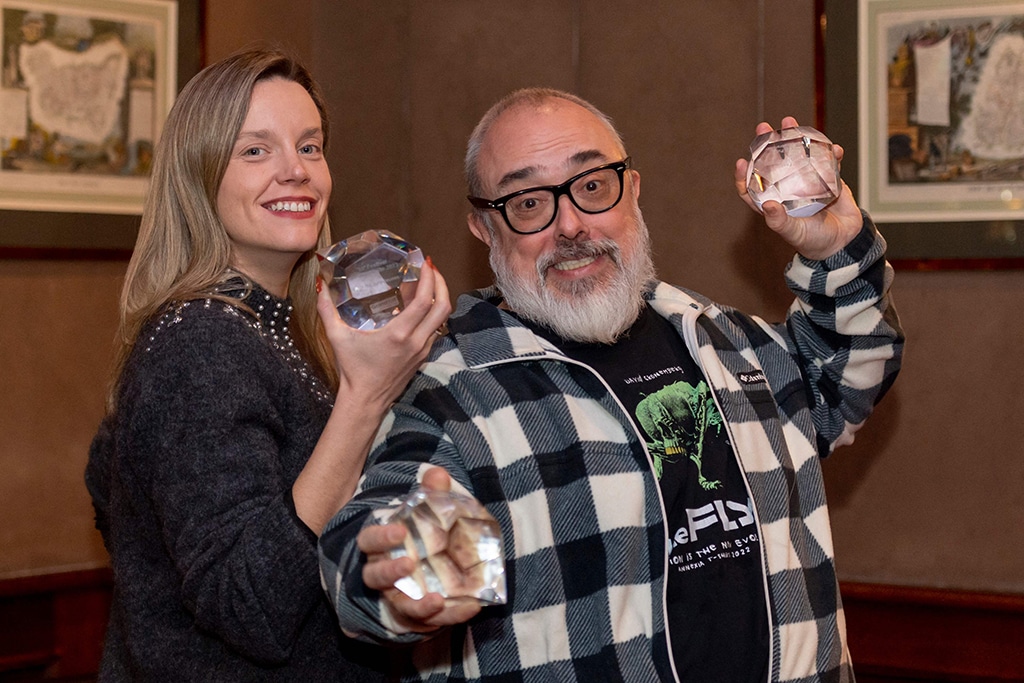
<point>242,407</point>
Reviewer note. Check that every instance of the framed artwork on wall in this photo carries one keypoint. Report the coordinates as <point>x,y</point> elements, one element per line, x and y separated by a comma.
<point>941,93</point>
<point>937,117</point>
<point>85,87</point>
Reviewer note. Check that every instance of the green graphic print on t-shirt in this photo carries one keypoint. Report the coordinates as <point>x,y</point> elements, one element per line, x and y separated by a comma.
<point>676,418</point>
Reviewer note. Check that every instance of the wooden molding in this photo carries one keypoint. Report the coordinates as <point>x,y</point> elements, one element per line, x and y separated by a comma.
<point>36,584</point>
<point>930,634</point>
<point>52,626</point>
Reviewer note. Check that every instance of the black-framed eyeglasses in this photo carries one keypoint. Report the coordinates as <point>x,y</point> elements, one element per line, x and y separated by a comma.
<point>531,210</point>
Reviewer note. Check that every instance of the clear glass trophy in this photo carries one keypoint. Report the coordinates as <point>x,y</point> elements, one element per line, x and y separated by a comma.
<point>370,276</point>
<point>795,167</point>
<point>457,546</point>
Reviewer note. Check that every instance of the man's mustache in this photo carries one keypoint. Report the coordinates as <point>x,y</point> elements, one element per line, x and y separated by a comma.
<point>572,250</point>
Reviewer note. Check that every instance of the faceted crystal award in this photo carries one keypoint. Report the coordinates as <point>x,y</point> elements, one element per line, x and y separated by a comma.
<point>795,167</point>
<point>457,547</point>
<point>370,276</point>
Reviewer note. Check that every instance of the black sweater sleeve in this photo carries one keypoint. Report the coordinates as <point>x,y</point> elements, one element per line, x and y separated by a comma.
<point>206,439</point>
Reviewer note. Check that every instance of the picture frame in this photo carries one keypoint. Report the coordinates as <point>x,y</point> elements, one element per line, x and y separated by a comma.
<point>95,213</point>
<point>940,196</point>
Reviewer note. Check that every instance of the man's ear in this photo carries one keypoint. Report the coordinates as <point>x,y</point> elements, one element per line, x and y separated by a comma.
<point>478,227</point>
<point>635,175</point>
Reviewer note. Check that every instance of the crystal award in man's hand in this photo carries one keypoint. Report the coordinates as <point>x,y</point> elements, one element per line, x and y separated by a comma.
<point>457,547</point>
<point>370,276</point>
<point>795,167</point>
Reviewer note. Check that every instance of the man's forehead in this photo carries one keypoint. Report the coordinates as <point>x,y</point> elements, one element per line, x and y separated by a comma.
<point>568,166</point>
<point>556,136</point>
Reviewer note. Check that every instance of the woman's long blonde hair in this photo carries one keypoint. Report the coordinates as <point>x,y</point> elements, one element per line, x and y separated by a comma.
<point>183,251</point>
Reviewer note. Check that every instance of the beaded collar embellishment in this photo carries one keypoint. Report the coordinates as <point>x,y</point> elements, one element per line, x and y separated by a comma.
<point>273,316</point>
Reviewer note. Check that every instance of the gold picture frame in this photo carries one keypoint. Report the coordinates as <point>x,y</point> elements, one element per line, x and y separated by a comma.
<point>925,154</point>
<point>87,85</point>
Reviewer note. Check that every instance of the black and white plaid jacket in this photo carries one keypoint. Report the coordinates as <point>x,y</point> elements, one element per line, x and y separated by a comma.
<point>544,444</point>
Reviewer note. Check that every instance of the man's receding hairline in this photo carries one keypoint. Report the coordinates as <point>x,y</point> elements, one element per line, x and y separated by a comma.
<point>538,104</point>
<point>533,98</point>
<point>541,103</point>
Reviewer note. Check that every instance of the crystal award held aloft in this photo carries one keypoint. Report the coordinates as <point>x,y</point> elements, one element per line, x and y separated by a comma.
<point>795,167</point>
<point>370,276</point>
<point>457,547</point>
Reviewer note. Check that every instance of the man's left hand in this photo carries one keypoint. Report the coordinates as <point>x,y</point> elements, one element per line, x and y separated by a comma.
<point>816,237</point>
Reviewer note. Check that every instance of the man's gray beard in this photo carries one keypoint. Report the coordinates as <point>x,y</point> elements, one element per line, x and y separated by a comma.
<point>592,310</point>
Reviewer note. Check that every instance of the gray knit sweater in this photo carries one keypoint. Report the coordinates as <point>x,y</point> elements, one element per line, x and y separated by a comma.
<point>215,577</point>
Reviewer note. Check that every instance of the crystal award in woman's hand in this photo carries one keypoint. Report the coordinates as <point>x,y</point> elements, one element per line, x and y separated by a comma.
<point>457,547</point>
<point>370,276</point>
<point>795,167</point>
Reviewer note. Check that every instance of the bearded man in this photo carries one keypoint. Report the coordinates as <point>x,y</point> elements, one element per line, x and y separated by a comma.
<point>652,457</point>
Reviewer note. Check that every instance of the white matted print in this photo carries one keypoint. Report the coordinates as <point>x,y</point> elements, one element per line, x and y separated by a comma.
<point>941,97</point>
<point>85,87</point>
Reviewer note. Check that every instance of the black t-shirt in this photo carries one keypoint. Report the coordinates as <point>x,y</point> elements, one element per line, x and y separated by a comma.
<point>717,617</point>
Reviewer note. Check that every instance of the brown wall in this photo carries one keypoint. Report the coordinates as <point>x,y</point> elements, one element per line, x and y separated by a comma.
<point>57,320</point>
<point>929,495</point>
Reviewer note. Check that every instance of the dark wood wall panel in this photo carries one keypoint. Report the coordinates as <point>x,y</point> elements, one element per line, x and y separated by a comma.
<point>52,625</point>
<point>51,628</point>
<point>934,635</point>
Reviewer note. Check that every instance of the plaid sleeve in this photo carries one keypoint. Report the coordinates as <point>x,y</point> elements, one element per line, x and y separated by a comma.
<point>408,443</point>
<point>846,332</point>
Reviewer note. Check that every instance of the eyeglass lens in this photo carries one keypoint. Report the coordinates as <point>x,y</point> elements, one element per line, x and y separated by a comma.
<point>593,193</point>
